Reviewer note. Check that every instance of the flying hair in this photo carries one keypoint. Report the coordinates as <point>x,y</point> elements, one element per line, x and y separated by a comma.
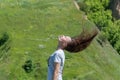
<point>81,41</point>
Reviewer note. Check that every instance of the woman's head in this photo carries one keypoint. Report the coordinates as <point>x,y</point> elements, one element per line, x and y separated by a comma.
<point>78,43</point>
<point>63,41</point>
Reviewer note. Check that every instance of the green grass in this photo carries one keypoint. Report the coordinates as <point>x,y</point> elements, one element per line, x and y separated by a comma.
<point>33,27</point>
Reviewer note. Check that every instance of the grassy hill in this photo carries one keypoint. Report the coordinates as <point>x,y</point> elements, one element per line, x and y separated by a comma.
<point>29,31</point>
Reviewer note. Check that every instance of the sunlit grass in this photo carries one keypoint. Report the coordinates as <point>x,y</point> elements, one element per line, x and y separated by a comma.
<point>34,26</point>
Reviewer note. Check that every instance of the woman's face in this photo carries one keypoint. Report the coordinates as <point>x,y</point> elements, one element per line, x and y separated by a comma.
<point>64,40</point>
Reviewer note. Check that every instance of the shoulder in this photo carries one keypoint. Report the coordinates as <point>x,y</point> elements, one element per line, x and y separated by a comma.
<point>59,52</point>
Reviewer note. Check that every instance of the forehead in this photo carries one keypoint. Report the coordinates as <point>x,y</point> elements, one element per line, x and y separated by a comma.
<point>67,36</point>
<point>64,38</point>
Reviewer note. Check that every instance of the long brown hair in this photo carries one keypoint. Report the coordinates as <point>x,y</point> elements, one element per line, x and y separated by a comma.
<point>81,41</point>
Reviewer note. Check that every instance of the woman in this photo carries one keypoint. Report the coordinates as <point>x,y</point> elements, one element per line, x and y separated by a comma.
<point>57,59</point>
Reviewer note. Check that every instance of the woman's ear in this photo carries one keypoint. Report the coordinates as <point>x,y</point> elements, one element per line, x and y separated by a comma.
<point>59,38</point>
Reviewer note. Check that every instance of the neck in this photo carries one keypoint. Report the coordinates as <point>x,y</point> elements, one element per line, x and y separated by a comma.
<point>59,48</point>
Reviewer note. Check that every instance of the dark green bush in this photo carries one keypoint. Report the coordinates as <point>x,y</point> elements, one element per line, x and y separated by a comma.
<point>113,33</point>
<point>101,18</point>
<point>28,66</point>
<point>4,38</point>
<point>117,46</point>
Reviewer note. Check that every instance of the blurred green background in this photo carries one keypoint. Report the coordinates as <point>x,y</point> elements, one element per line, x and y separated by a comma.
<point>28,36</point>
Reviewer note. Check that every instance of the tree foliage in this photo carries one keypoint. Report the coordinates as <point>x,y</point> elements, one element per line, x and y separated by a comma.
<point>98,11</point>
